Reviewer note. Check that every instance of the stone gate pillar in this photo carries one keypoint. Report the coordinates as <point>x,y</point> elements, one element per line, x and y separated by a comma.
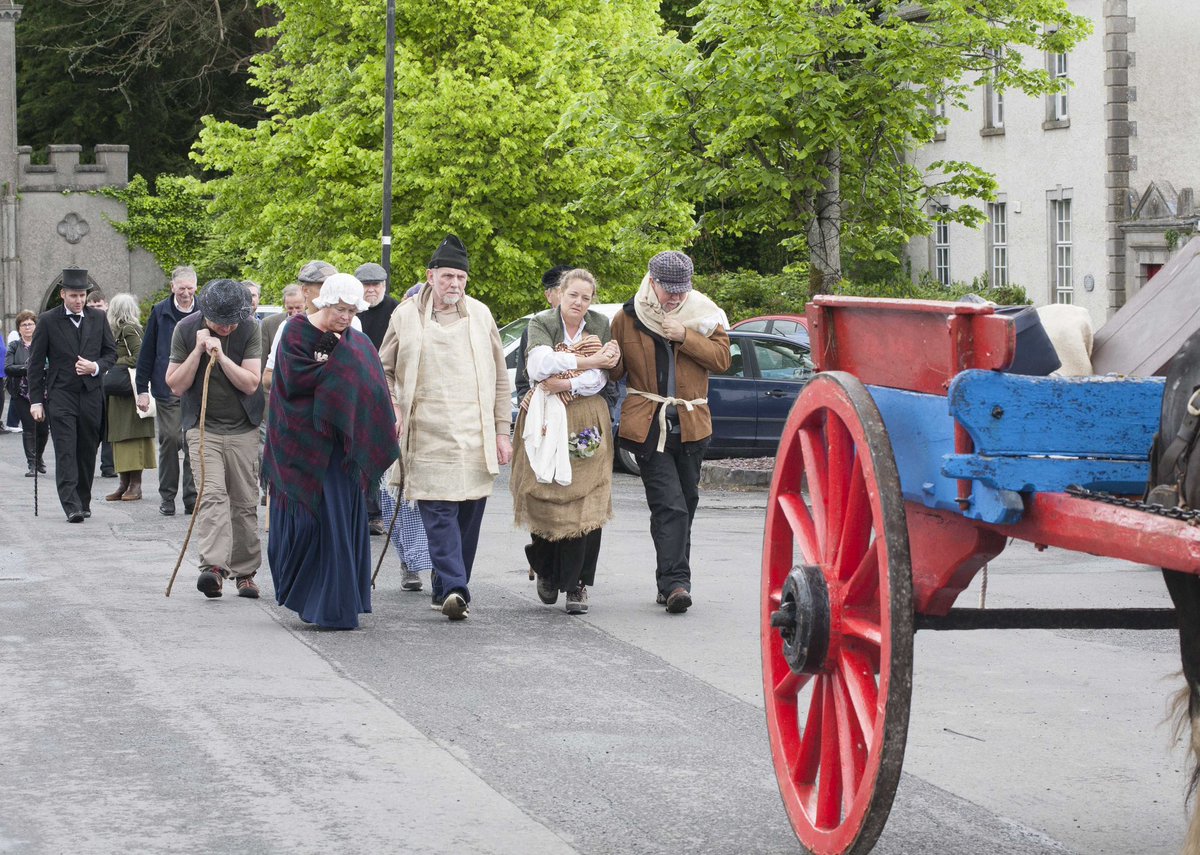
<point>9,263</point>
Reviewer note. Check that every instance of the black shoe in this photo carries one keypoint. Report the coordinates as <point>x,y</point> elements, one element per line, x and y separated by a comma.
<point>109,473</point>
<point>187,509</point>
<point>547,593</point>
<point>41,467</point>
<point>31,473</point>
<point>679,601</point>
<point>75,517</point>
<point>167,509</point>
<point>87,514</point>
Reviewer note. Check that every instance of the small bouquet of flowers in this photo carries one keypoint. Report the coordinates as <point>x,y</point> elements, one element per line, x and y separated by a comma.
<point>584,443</point>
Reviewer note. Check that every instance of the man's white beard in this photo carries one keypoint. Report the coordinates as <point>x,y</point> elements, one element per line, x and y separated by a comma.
<point>450,299</point>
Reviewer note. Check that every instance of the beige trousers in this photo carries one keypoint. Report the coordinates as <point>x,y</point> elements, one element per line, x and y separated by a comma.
<point>226,533</point>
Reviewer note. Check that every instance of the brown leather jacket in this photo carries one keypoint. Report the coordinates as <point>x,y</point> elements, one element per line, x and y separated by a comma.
<point>644,366</point>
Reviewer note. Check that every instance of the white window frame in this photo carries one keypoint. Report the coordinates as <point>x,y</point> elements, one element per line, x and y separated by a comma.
<point>1059,101</point>
<point>997,262</point>
<point>1062,252</point>
<point>993,101</point>
<point>941,250</point>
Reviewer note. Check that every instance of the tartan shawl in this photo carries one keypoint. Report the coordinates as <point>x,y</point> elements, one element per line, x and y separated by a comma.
<point>316,403</point>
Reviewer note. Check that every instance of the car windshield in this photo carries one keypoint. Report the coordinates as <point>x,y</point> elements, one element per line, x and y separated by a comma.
<point>510,332</point>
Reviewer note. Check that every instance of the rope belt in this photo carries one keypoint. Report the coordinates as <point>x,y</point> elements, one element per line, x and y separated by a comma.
<point>662,411</point>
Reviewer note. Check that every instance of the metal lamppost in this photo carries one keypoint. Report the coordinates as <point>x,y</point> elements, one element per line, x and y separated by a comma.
<point>389,87</point>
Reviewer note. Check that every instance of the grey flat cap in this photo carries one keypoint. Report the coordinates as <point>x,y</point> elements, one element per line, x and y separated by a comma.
<point>370,272</point>
<point>315,272</point>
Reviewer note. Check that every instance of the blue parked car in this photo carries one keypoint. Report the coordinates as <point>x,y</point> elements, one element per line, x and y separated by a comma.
<point>750,402</point>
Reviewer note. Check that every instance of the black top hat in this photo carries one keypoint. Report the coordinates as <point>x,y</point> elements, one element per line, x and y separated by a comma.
<point>224,301</point>
<point>75,279</point>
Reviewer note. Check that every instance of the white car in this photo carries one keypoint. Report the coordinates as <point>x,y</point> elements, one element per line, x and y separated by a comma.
<point>510,337</point>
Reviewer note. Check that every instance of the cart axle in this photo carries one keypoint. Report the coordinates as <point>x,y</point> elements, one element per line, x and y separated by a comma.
<point>1049,619</point>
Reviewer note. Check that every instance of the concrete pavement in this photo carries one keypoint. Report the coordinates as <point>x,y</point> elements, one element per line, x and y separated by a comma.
<point>133,722</point>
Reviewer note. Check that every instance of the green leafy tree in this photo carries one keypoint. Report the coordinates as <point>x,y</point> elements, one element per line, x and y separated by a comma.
<point>480,89</point>
<point>795,116</point>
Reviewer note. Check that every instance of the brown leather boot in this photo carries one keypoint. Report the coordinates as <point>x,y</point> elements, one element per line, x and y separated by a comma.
<point>119,494</point>
<point>134,492</point>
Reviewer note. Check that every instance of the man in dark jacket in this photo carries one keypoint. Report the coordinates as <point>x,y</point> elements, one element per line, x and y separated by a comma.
<point>151,380</point>
<point>72,347</point>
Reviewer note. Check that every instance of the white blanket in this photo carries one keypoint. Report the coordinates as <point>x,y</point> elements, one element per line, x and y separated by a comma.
<point>545,438</point>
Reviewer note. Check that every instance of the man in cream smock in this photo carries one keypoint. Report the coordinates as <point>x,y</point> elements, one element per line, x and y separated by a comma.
<point>445,367</point>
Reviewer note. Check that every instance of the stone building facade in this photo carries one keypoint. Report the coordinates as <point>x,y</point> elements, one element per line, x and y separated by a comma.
<point>50,215</point>
<point>1095,187</point>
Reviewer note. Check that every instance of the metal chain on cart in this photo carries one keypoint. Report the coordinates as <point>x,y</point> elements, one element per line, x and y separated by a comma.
<point>1183,514</point>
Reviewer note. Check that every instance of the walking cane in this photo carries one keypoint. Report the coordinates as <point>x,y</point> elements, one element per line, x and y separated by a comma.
<point>199,492</point>
<point>391,528</point>
<point>35,474</point>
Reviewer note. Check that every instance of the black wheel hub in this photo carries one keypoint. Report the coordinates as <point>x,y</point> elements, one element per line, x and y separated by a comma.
<point>803,619</point>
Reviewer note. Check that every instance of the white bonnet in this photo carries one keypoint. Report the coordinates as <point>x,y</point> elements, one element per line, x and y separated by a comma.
<point>341,288</point>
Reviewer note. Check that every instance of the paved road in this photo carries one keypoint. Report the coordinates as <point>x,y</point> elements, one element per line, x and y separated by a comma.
<point>133,722</point>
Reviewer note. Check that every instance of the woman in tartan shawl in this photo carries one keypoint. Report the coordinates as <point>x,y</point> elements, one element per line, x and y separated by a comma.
<point>562,462</point>
<point>332,434</point>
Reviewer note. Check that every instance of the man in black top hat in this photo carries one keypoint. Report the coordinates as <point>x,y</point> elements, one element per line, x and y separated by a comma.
<point>72,348</point>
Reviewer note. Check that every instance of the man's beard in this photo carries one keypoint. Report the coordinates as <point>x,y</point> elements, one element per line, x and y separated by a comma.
<point>450,299</point>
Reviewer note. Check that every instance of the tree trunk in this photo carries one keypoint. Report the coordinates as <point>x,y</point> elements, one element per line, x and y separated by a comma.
<point>825,230</point>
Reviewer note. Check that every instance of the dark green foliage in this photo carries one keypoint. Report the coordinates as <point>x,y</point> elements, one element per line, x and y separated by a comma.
<point>134,72</point>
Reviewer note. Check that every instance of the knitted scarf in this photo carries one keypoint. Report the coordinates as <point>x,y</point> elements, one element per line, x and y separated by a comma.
<point>315,403</point>
<point>589,345</point>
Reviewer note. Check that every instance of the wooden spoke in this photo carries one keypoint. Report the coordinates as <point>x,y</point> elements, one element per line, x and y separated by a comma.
<point>814,467</point>
<point>839,457</point>
<point>803,528</point>
<point>829,795</point>
<point>809,756</point>
<point>790,685</point>
<point>856,526</point>
<point>852,747</point>
<point>858,676</point>
<point>864,582</point>
<point>859,626</point>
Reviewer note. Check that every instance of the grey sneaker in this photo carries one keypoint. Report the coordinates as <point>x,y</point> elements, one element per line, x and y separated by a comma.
<point>410,580</point>
<point>577,601</point>
<point>455,607</point>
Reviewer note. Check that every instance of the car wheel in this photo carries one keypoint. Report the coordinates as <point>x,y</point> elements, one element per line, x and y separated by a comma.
<point>627,462</point>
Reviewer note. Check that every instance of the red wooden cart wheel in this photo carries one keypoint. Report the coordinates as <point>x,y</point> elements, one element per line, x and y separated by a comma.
<point>837,624</point>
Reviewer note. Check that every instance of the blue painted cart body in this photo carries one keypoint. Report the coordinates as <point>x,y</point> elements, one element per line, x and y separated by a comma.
<point>1030,434</point>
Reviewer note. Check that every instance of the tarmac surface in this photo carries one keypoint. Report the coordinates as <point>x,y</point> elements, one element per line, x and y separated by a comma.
<point>134,722</point>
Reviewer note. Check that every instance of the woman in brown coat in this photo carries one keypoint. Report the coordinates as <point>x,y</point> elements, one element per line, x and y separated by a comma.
<point>132,437</point>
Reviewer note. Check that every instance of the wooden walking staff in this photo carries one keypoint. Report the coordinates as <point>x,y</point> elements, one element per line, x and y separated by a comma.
<point>200,491</point>
<point>392,525</point>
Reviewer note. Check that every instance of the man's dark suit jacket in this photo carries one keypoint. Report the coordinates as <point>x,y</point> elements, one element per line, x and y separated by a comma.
<point>55,347</point>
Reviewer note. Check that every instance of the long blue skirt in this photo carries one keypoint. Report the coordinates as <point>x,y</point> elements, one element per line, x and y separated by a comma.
<point>321,566</point>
